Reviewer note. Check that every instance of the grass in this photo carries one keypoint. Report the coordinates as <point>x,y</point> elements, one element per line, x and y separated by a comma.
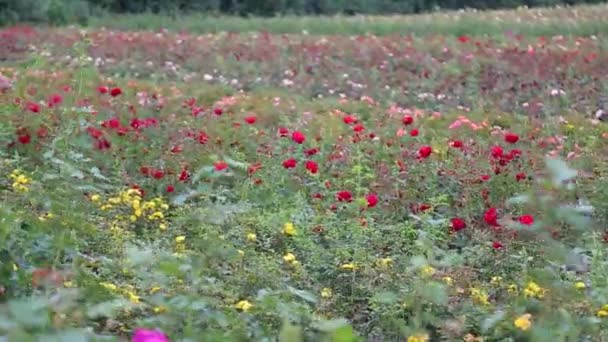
<point>574,21</point>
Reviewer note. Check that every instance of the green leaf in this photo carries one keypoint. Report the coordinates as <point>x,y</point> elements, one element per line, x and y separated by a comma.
<point>32,312</point>
<point>560,171</point>
<point>307,296</point>
<point>491,321</point>
<point>330,325</point>
<point>435,293</point>
<point>386,297</point>
<point>344,334</point>
<point>290,333</point>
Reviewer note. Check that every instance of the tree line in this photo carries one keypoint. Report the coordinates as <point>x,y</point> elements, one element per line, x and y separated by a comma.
<point>65,11</point>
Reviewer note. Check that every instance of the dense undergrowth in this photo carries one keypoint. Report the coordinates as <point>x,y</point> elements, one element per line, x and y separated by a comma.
<point>265,187</point>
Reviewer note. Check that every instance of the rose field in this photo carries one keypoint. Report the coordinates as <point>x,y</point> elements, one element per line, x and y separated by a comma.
<point>167,185</point>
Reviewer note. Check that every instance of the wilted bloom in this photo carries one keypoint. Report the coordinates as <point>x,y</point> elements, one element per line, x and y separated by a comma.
<point>344,196</point>
<point>283,132</point>
<point>511,138</point>
<point>372,200</point>
<point>149,335</point>
<point>218,111</point>
<point>311,151</point>
<point>115,92</point>
<point>311,166</point>
<point>520,176</point>
<point>425,151</point>
<point>497,245</point>
<point>290,163</point>
<point>458,224</point>
<point>526,220</point>
<point>491,217</point>
<point>298,137</point>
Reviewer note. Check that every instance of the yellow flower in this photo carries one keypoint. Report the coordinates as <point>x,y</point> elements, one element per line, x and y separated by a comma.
<point>523,322</point>
<point>289,257</point>
<point>532,290</point>
<point>512,288</point>
<point>251,237</point>
<point>448,280</point>
<point>579,285</point>
<point>326,292</point>
<point>68,284</point>
<point>418,338</point>
<point>15,268</point>
<point>109,286</point>
<point>154,289</point>
<point>479,296</point>
<point>95,198</point>
<point>180,239</point>
<point>428,271</point>
<point>134,298</point>
<point>160,309</point>
<point>349,266</point>
<point>241,253</point>
<point>243,305</point>
<point>162,226</point>
<point>602,313</point>
<point>385,262</point>
<point>496,280</point>
<point>289,229</point>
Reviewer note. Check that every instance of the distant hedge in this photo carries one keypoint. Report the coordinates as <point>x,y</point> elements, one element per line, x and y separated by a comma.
<point>78,11</point>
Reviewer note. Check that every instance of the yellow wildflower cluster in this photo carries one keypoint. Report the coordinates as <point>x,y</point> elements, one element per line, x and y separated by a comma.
<point>603,312</point>
<point>579,285</point>
<point>428,271</point>
<point>180,244</point>
<point>20,181</point>
<point>326,292</point>
<point>523,322</point>
<point>479,295</point>
<point>127,291</point>
<point>290,258</point>
<point>289,229</point>
<point>243,305</point>
<point>532,290</point>
<point>153,210</point>
<point>349,266</point>
<point>418,338</point>
<point>385,262</point>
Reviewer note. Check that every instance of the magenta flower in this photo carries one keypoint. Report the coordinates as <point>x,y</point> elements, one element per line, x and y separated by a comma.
<point>149,335</point>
